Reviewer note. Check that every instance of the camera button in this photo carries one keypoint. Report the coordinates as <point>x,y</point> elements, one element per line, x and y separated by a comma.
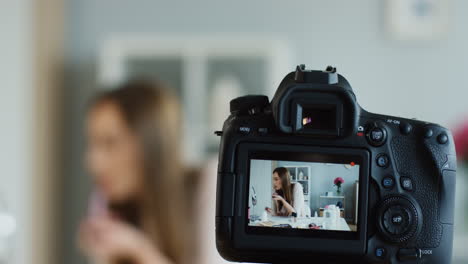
<point>405,128</point>
<point>244,130</point>
<point>382,160</point>
<point>405,254</point>
<point>442,138</point>
<point>388,182</point>
<point>406,183</point>
<point>380,252</point>
<point>397,220</point>
<point>428,133</point>
<point>377,136</point>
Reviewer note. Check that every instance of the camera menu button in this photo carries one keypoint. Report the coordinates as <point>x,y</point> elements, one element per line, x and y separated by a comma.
<point>244,130</point>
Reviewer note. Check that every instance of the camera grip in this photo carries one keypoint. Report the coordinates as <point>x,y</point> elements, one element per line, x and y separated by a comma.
<point>412,161</point>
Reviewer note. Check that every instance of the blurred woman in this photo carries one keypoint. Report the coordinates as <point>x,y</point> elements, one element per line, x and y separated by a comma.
<point>138,214</point>
<point>288,197</point>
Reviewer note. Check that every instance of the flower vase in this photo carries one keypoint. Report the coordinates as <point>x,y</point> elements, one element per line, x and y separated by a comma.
<point>338,190</point>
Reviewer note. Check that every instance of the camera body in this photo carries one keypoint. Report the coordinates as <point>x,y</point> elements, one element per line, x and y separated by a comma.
<point>403,200</point>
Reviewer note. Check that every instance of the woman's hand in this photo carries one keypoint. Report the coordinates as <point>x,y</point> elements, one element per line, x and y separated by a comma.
<point>104,239</point>
<point>278,197</point>
<point>269,210</point>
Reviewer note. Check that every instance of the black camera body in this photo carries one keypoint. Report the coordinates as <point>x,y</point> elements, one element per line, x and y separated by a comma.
<point>407,173</point>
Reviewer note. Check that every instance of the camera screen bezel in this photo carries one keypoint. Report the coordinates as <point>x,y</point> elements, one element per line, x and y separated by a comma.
<point>267,238</point>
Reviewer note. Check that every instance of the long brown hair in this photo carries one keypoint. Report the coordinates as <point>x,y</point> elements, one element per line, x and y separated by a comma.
<point>154,115</point>
<point>286,190</point>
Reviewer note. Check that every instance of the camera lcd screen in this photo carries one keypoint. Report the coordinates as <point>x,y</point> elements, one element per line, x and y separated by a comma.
<point>317,194</point>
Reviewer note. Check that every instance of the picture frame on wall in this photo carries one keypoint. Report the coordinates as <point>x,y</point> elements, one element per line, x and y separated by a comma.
<point>417,20</point>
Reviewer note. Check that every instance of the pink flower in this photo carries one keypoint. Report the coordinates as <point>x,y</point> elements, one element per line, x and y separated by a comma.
<point>338,181</point>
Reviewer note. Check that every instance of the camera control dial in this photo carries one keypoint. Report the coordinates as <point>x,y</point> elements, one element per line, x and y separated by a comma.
<point>398,219</point>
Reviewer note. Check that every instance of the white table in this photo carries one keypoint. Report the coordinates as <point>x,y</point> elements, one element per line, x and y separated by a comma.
<point>303,222</point>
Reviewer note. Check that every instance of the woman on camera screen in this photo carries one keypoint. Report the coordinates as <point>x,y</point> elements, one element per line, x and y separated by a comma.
<point>288,197</point>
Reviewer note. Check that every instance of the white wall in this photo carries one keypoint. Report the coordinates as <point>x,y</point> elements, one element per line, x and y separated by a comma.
<point>412,79</point>
<point>260,179</point>
<point>16,119</point>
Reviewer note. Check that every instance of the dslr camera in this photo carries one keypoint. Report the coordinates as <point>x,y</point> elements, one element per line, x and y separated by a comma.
<point>311,177</point>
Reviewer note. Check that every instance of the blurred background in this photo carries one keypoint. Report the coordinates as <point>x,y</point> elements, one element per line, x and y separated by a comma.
<point>403,57</point>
